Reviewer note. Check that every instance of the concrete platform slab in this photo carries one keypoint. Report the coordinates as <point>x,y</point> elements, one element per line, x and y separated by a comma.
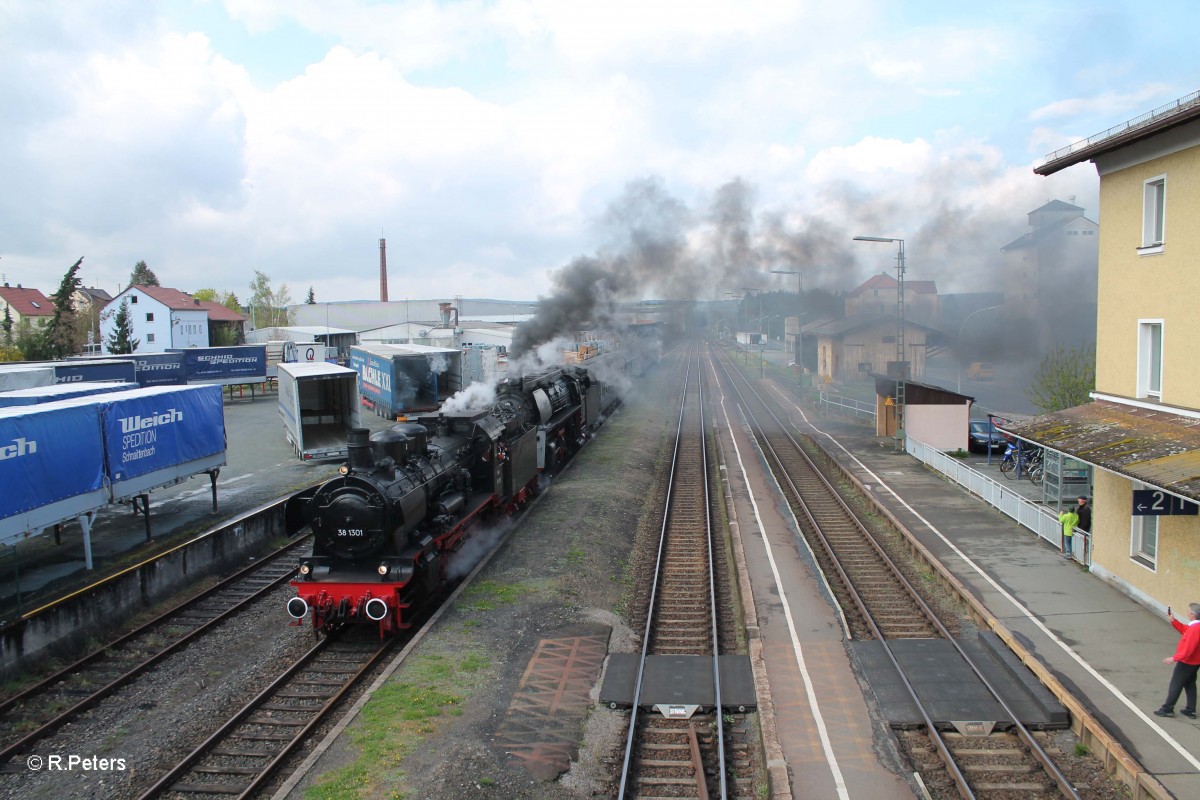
<point>952,692</point>
<point>679,681</point>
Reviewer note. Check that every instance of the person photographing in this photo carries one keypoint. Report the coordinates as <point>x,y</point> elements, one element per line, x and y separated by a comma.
<point>1187,663</point>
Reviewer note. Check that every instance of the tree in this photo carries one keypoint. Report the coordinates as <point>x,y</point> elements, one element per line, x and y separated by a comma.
<point>63,335</point>
<point>227,299</point>
<point>225,336</point>
<point>311,299</point>
<point>142,275</point>
<point>7,326</point>
<point>1064,378</point>
<point>31,341</point>
<point>268,309</point>
<point>121,341</point>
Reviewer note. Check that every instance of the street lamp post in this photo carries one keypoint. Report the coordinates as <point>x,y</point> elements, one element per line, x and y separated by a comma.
<point>901,360</point>
<point>958,341</point>
<point>755,293</point>
<point>799,307</point>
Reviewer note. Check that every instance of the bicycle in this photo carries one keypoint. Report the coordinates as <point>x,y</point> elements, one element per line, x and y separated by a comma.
<point>1031,462</point>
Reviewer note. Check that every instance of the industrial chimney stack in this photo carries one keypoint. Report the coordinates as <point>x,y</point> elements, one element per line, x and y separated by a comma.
<point>383,270</point>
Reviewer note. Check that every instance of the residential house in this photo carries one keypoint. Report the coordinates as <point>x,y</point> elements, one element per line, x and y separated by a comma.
<point>88,303</point>
<point>1141,432</point>
<point>163,318</point>
<point>877,296</point>
<point>225,326</point>
<point>863,342</point>
<point>22,303</point>
<point>851,349</point>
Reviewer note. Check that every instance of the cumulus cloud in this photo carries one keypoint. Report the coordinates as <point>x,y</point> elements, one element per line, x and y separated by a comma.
<point>488,140</point>
<point>1108,104</point>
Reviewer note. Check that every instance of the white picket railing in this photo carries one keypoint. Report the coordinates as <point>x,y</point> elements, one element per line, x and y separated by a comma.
<point>1033,516</point>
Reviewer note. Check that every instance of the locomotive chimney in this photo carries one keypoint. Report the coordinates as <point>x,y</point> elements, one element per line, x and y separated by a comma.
<point>358,446</point>
<point>383,270</point>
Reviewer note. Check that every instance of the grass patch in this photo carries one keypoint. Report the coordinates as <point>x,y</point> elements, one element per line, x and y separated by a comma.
<point>486,595</point>
<point>397,719</point>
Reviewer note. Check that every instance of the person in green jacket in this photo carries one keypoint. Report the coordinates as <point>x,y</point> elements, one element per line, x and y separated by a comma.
<point>1069,519</point>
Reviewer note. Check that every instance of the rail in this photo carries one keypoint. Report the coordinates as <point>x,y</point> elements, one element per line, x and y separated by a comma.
<point>827,515</point>
<point>650,764</point>
<point>1026,512</point>
<point>63,696</point>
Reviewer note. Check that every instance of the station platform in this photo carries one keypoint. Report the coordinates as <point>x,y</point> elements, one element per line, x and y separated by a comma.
<point>1095,640</point>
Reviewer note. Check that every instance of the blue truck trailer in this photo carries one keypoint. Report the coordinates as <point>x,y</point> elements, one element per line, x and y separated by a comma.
<point>225,365</point>
<point>395,380</point>
<point>51,468</point>
<point>37,395</point>
<point>69,458</point>
<point>94,370</point>
<point>159,369</point>
<point>22,376</point>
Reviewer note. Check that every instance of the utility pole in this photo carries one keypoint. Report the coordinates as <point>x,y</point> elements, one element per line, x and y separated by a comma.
<point>901,362</point>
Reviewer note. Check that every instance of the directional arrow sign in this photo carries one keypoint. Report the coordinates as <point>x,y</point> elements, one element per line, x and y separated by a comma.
<point>1157,503</point>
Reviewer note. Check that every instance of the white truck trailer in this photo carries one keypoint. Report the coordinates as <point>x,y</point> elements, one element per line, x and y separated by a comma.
<point>319,405</point>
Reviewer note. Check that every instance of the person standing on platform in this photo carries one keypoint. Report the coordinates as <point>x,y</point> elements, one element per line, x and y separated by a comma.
<point>1069,519</point>
<point>1187,663</point>
<point>1085,516</point>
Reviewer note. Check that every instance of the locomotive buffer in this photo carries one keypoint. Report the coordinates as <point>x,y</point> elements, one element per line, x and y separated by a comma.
<point>679,686</point>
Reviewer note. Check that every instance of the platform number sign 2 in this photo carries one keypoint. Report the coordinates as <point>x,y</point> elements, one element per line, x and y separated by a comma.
<point>1157,503</point>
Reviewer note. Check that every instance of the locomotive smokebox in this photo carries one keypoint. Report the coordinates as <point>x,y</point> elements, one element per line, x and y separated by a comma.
<point>358,445</point>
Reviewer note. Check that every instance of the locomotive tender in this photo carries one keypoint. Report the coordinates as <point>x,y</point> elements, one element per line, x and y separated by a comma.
<point>409,497</point>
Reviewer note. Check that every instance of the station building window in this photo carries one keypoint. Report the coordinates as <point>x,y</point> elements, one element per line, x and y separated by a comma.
<point>149,337</point>
<point>1150,356</point>
<point>1154,214</point>
<point>1143,546</point>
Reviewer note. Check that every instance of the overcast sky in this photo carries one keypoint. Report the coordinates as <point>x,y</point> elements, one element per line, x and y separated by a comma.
<point>493,143</point>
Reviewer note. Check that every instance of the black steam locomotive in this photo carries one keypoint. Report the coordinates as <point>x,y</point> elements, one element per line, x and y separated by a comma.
<point>408,498</point>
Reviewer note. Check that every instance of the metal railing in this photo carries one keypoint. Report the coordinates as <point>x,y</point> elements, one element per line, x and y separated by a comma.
<point>1136,122</point>
<point>840,404</point>
<point>1026,512</point>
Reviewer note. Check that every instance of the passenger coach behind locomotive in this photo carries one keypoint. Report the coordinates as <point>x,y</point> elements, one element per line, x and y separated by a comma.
<point>409,497</point>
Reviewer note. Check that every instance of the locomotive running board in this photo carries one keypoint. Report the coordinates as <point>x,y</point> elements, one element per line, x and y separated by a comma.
<point>677,686</point>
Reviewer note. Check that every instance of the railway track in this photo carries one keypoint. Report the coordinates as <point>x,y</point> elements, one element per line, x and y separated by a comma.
<point>684,616</point>
<point>43,708</point>
<point>241,755</point>
<point>881,603</point>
